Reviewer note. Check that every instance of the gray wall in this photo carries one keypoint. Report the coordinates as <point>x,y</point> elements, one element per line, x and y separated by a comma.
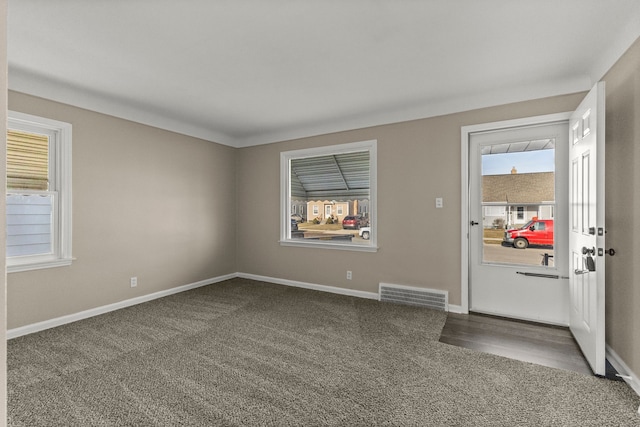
<point>146,203</point>
<point>623,207</point>
<point>165,207</point>
<point>419,244</point>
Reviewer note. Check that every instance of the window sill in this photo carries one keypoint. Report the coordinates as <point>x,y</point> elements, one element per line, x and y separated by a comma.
<point>18,267</point>
<point>326,245</point>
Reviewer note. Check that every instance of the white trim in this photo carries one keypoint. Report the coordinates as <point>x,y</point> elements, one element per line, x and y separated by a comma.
<point>319,244</point>
<point>313,286</point>
<point>426,109</point>
<point>623,370</point>
<point>464,223</point>
<point>39,265</point>
<point>63,320</point>
<point>38,85</point>
<point>453,308</point>
<point>465,132</point>
<point>35,84</point>
<point>70,318</point>
<point>64,174</point>
<point>285,187</point>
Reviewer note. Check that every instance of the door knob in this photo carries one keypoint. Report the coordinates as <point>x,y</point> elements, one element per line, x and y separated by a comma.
<point>611,252</point>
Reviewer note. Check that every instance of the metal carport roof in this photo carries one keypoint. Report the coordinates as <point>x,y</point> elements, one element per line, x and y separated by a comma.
<point>340,176</point>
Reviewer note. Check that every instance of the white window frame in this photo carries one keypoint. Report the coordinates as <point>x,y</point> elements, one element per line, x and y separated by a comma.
<point>60,162</point>
<point>285,195</point>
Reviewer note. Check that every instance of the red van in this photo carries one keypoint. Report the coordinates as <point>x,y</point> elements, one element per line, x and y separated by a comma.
<point>535,232</point>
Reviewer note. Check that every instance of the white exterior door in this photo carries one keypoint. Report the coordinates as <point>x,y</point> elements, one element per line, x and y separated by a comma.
<point>587,228</point>
<point>504,280</point>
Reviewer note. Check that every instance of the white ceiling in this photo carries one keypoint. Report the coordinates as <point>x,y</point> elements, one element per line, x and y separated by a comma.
<point>246,72</point>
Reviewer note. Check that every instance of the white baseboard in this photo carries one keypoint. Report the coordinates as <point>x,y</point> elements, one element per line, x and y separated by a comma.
<point>625,372</point>
<point>323,288</point>
<point>63,320</point>
<point>452,308</point>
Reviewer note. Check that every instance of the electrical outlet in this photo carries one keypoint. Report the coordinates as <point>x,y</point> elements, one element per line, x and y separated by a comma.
<point>348,274</point>
<point>134,282</point>
<point>438,202</point>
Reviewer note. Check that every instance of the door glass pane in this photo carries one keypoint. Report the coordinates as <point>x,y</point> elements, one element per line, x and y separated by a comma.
<point>518,202</point>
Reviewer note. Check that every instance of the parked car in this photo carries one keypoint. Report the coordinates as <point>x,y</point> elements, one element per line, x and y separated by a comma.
<point>535,232</point>
<point>354,222</point>
<point>297,217</point>
<point>365,233</point>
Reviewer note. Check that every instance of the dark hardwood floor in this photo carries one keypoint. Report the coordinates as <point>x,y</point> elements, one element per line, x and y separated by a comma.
<point>546,345</point>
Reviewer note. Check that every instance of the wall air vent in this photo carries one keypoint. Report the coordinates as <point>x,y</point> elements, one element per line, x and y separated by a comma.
<point>428,298</point>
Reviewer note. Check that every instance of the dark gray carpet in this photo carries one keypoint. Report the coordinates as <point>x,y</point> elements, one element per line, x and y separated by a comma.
<point>245,353</point>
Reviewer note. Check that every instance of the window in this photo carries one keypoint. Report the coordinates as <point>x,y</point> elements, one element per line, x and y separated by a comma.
<point>495,211</point>
<point>520,212</point>
<point>334,180</point>
<point>38,193</point>
<point>541,226</point>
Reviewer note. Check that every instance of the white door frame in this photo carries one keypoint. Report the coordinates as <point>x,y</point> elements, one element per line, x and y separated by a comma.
<point>464,214</point>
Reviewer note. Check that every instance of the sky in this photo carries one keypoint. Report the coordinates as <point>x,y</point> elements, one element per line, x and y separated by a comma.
<point>526,162</point>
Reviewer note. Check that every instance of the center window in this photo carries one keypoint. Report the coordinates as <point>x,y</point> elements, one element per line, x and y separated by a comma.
<point>335,187</point>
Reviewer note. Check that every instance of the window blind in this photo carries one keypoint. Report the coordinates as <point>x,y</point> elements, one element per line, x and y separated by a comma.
<point>27,161</point>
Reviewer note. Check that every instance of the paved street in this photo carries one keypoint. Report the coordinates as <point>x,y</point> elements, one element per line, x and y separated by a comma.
<point>506,254</point>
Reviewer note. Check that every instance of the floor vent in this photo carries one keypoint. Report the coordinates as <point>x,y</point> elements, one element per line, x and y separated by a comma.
<point>429,298</point>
